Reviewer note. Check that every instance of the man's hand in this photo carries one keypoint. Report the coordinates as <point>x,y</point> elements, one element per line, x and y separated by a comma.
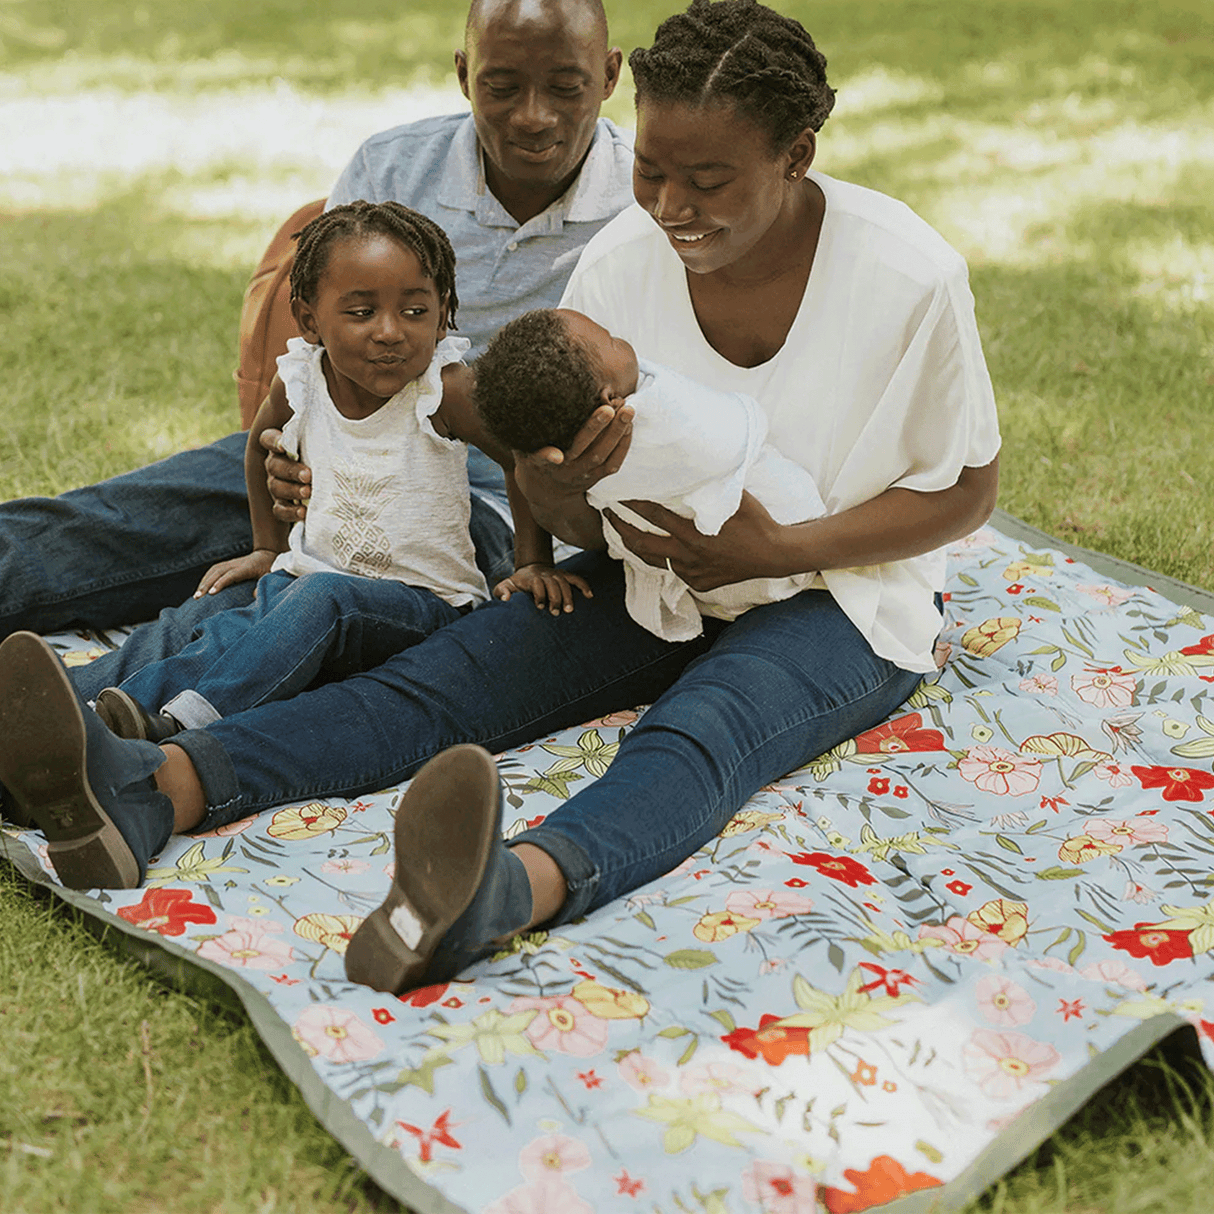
<point>550,587</point>
<point>239,569</point>
<point>289,481</point>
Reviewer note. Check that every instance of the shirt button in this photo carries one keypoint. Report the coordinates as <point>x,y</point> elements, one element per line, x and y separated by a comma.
<point>512,245</point>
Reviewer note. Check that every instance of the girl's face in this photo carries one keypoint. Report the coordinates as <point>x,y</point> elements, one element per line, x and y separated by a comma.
<point>708,177</point>
<point>378,316</point>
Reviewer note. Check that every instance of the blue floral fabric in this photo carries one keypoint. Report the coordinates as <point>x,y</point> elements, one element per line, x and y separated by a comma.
<point>883,966</point>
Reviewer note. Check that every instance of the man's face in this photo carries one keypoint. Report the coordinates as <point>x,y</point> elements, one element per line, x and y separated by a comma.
<point>536,72</point>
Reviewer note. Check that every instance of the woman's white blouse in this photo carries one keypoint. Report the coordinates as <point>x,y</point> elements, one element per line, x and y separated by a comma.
<point>881,381</point>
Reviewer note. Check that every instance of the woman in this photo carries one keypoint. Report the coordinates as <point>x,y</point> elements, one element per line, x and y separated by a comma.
<point>852,324</point>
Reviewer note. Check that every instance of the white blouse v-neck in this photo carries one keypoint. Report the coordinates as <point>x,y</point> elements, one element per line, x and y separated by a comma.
<point>881,381</point>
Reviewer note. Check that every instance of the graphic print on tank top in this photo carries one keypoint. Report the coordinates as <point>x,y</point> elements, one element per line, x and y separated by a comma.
<point>360,543</point>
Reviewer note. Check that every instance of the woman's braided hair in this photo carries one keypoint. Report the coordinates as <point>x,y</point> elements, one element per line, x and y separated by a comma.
<point>535,386</point>
<point>740,51</point>
<point>359,219</point>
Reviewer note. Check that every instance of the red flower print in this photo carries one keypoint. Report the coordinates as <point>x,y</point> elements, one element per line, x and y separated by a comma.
<point>891,980</point>
<point>1178,783</point>
<point>284,980</point>
<point>424,995</point>
<point>906,733</point>
<point>439,1132</point>
<point>167,911</point>
<point>626,1185</point>
<point>1204,646</point>
<point>1015,588</point>
<point>454,1002</point>
<point>796,883</point>
<point>900,790</point>
<point>590,1079</point>
<point>382,1015</point>
<point>959,887</point>
<point>884,1180</point>
<point>1053,803</point>
<point>774,1042</point>
<point>878,786</point>
<point>1068,1008</point>
<point>840,868</point>
<point>1159,945</point>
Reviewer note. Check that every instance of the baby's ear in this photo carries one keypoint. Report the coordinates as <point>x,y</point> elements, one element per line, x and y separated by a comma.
<point>610,398</point>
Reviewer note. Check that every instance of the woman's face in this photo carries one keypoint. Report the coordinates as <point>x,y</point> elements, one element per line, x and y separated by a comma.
<point>710,180</point>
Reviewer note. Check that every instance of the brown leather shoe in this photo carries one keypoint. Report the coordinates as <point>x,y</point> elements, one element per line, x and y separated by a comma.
<point>125,717</point>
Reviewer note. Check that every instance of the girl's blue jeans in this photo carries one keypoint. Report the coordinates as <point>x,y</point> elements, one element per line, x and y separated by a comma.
<point>320,626</point>
<point>731,711</point>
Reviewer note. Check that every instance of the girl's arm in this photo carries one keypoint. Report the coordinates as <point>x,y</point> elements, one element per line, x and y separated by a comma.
<point>534,573</point>
<point>269,533</point>
<point>892,526</point>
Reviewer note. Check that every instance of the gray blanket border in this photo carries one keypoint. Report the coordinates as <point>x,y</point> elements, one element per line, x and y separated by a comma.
<point>194,975</point>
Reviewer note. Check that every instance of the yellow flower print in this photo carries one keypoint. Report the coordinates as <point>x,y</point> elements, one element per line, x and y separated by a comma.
<point>1003,918</point>
<point>608,1003</point>
<point>688,1119</point>
<point>985,638</point>
<point>1081,848</point>
<point>333,931</point>
<point>720,925</point>
<point>1032,566</point>
<point>281,879</point>
<point>748,819</point>
<point>305,821</point>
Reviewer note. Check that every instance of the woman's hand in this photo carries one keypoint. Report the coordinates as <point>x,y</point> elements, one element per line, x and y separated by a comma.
<point>289,481</point>
<point>555,482</point>
<point>548,586</point>
<point>746,547</point>
<point>239,569</point>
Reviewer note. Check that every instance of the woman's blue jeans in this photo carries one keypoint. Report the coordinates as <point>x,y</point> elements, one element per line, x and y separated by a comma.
<point>296,630</point>
<point>731,711</point>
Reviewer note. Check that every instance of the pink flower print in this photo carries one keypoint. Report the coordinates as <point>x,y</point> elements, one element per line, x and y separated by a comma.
<point>767,903</point>
<point>612,720</point>
<point>1054,964</point>
<point>335,1034</point>
<point>960,936</point>
<point>1128,834</point>
<point>564,1025</point>
<point>551,1195</point>
<point>223,832</point>
<point>1135,891</point>
<point>249,944</point>
<point>552,1154</point>
<point>1003,1063</point>
<point>719,1077</point>
<point>1113,774</point>
<point>348,866</point>
<point>777,1189</point>
<point>999,771</point>
<point>1110,596</point>
<point>1104,688</point>
<point>1004,1002</point>
<point>1114,972</point>
<point>1040,684</point>
<point>642,1073</point>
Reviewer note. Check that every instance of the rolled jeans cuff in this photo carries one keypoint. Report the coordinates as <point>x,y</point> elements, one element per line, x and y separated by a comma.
<point>581,876</point>
<point>191,710</point>
<point>216,774</point>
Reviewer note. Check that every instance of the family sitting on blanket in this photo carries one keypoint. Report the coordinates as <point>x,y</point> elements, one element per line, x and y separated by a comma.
<point>840,312</point>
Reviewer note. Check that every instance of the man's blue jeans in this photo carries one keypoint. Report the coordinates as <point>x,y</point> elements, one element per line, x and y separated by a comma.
<point>731,711</point>
<point>296,630</point>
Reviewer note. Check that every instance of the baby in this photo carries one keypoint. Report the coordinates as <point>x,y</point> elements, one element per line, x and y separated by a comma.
<point>694,449</point>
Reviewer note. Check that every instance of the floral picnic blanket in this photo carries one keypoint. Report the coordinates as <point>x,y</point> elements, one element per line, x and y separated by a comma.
<point>893,974</point>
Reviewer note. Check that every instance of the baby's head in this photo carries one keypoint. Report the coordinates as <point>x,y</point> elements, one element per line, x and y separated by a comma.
<point>545,373</point>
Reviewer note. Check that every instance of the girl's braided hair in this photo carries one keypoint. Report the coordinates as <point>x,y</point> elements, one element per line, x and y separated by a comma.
<point>411,228</point>
<point>743,52</point>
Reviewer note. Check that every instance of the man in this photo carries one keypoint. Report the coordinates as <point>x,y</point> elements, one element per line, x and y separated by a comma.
<point>520,186</point>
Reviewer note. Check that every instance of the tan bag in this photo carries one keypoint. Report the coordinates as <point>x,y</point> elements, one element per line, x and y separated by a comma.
<point>265,316</point>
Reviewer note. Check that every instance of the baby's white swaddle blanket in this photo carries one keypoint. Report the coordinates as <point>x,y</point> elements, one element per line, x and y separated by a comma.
<point>694,449</point>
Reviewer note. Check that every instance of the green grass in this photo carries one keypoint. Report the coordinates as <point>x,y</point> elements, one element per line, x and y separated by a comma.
<point>1062,145</point>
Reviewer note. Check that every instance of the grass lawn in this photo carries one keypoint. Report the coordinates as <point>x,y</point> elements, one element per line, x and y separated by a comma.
<point>147,153</point>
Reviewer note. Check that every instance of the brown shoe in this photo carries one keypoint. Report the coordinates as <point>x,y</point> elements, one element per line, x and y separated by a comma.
<point>125,717</point>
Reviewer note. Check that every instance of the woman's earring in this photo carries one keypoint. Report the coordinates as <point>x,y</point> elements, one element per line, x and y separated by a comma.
<point>793,175</point>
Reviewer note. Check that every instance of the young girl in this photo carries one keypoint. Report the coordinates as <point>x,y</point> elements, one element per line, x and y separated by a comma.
<point>375,400</point>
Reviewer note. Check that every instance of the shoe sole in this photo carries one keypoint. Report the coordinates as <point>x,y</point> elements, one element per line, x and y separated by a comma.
<point>43,766</point>
<point>120,715</point>
<point>446,824</point>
